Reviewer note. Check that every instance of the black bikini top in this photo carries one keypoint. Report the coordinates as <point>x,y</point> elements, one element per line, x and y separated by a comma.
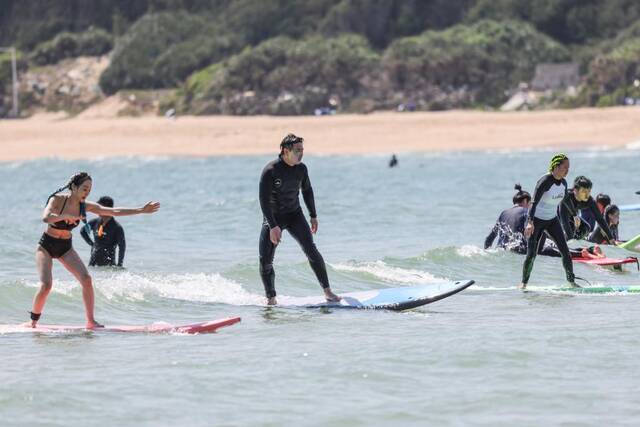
<point>64,225</point>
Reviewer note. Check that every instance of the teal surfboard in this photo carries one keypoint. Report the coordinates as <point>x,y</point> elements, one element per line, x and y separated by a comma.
<point>633,289</point>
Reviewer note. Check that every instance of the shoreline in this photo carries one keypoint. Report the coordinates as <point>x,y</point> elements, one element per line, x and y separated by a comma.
<point>377,133</point>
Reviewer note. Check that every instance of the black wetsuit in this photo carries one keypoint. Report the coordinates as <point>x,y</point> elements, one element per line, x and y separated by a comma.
<point>543,212</point>
<point>569,209</point>
<point>509,229</point>
<point>280,185</point>
<point>103,247</point>
<point>598,236</point>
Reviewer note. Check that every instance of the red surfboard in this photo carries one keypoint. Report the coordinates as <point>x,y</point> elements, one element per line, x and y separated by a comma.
<point>193,328</point>
<point>604,262</point>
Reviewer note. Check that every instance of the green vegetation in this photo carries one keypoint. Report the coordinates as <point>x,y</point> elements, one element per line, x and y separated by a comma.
<point>93,42</point>
<point>292,56</point>
<point>480,61</point>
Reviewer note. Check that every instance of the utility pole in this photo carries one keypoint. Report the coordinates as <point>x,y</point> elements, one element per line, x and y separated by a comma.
<point>14,77</point>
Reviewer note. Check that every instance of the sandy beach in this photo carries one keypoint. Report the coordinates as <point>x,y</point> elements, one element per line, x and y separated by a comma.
<point>388,132</point>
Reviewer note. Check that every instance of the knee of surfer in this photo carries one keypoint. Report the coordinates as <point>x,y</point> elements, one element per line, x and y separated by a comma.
<point>86,281</point>
<point>46,286</point>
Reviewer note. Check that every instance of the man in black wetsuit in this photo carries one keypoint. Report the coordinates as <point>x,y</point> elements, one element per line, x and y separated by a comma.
<point>280,184</point>
<point>576,199</point>
<point>107,234</point>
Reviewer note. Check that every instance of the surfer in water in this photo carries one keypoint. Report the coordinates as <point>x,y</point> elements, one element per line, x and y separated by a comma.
<point>280,185</point>
<point>509,228</point>
<point>602,201</point>
<point>107,235</point>
<point>550,190</point>
<point>577,199</point>
<point>63,212</point>
<point>612,218</point>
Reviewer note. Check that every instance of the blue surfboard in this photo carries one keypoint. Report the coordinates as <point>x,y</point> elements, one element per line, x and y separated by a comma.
<point>402,298</point>
<point>628,208</point>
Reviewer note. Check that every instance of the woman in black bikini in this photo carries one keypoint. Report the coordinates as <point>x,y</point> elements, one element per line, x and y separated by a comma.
<point>62,214</point>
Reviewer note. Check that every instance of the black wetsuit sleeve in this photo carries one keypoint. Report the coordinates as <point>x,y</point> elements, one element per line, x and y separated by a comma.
<point>604,227</point>
<point>122,246</point>
<point>307,194</point>
<point>488,241</point>
<point>266,187</point>
<point>566,212</point>
<point>542,186</point>
<point>85,235</point>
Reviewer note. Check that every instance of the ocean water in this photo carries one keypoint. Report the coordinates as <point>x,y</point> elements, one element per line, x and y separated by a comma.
<point>488,356</point>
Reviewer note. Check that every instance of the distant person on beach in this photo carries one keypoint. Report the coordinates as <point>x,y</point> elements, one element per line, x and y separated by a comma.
<point>280,185</point>
<point>107,235</point>
<point>509,228</point>
<point>577,199</point>
<point>63,213</point>
<point>550,190</point>
<point>393,162</point>
<point>602,201</point>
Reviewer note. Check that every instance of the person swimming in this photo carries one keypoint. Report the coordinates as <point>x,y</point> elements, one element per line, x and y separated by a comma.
<point>107,235</point>
<point>550,190</point>
<point>509,227</point>
<point>63,212</point>
<point>279,189</point>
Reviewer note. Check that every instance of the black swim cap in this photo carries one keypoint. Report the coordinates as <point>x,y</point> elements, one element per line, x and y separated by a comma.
<point>289,140</point>
<point>105,201</point>
<point>521,195</point>
<point>582,182</point>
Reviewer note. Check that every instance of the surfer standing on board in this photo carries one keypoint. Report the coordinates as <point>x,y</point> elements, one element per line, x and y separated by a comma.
<point>550,190</point>
<point>280,185</point>
<point>62,214</point>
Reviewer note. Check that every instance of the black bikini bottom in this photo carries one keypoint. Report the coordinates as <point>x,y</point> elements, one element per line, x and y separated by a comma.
<point>55,247</point>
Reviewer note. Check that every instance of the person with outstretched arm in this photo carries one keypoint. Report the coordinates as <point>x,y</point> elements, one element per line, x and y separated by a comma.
<point>108,235</point>
<point>280,185</point>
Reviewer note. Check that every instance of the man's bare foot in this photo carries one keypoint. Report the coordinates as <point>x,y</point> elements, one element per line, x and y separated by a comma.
<point>574,285</point>
<point>93,325</point>
<point>522,286</point>
<point>272,301</point>
<point>330,296</point>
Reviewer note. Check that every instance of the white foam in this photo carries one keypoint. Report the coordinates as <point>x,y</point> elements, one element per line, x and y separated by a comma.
<point>469,251</point>
<point>387,273</point>
<point>188,287</point>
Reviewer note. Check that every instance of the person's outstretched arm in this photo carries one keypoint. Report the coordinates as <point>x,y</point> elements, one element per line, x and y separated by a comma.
<point>97,209</point>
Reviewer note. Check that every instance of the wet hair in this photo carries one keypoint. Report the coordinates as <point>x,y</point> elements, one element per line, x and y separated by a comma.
<point>521,195</point>
<point>105,201</point>
<point>288,142</point>
<point>78,179</point>
<point>557,160</point>
<point>610,210</point>
<point>582,182</point>
<point>603,199</point>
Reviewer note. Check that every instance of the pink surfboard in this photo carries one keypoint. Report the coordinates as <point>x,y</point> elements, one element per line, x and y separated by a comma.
<point>193,328</point>
<point>608,261</point>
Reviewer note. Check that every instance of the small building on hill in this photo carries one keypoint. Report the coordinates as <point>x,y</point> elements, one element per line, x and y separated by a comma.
<point>555,76</point>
